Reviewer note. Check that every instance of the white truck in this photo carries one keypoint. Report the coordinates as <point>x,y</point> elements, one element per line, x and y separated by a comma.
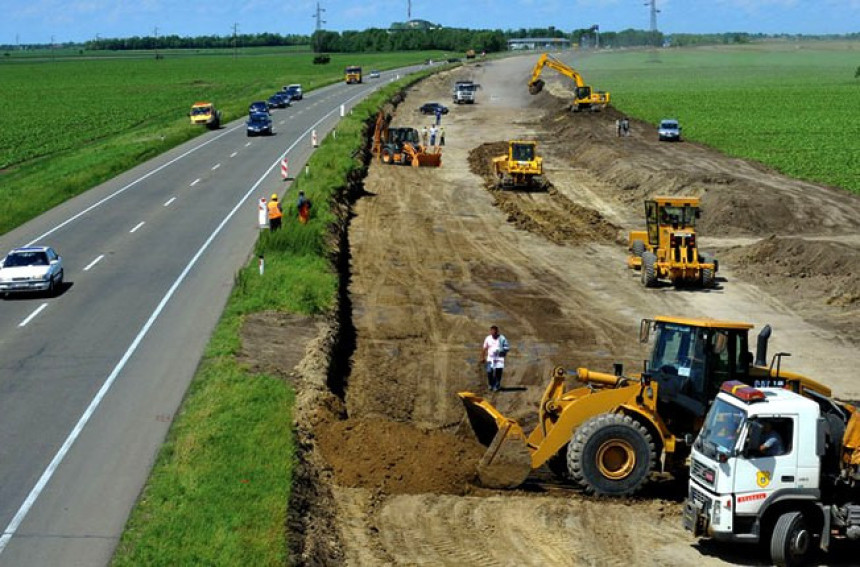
<point>464,92</point>
<point>792,495</point>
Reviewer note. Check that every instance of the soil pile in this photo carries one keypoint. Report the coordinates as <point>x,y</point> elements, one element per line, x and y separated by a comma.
<point>398,458</point>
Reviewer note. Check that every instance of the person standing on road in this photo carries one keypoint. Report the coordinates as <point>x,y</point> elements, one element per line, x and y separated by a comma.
<point>618,128</point>
<point>441,135</point>
<point>433,132</point>
<point>625,126</point>
<point>303,206</point>
<point>438,115</point>
<point>494,351</point>
<point>424,136</point>
<point>276,212</point>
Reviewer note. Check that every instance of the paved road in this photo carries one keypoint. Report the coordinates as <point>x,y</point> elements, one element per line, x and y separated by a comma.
<point>90,380</point>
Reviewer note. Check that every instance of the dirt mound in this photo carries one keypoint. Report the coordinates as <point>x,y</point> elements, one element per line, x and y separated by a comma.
<point>547,213</point>
<point>398,458</point>
<point>798,269</point>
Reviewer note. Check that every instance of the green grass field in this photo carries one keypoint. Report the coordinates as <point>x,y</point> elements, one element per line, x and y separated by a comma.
<point>73,122</point>
<point>787,105</point>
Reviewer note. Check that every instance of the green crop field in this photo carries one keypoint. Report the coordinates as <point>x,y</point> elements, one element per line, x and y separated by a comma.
<point>791,105</point>
<point>70,122</point>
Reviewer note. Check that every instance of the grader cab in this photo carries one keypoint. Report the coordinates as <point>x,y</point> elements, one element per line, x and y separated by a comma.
<point>668,249</point>
<point>520,167</point>
<point>611,433</point>
<point>402,145</point>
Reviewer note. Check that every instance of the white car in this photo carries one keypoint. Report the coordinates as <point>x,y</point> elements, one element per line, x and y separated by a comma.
<point>374,74</point>
<point>669,130</point>
<point>34,268</point>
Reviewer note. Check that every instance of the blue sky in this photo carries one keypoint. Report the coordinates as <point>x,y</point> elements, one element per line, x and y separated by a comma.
<point>36,21</point>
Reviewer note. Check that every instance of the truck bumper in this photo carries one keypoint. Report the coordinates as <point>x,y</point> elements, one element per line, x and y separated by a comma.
<point>695,519</point>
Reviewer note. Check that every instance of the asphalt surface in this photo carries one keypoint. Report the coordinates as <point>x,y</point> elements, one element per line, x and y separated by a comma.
<point>90,379</point>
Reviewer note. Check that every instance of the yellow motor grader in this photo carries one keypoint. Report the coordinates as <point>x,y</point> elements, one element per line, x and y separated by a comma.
<point>520,167</point>
<point>668,249</point>
<point>609,434</point>
<point>402,145</point>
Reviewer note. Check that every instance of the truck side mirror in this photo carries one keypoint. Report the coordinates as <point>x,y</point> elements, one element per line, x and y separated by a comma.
<point>644,330</point>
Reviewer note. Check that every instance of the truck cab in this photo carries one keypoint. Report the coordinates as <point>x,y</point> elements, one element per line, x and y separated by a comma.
<point>352,75</point>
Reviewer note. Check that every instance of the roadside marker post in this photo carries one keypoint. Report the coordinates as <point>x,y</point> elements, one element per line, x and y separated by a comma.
<point>314,141</point>
<point>262,265</point>
<point>262,214</point>
<point>342,110</point>
<point>285,169</point>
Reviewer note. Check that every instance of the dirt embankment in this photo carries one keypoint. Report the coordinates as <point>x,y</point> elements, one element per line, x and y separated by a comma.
<point>430,257</point>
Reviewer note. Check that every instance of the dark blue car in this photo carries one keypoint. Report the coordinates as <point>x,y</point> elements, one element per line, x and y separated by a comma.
<point>279,100</point>
<point>258,106</point>
<point>259,123</point>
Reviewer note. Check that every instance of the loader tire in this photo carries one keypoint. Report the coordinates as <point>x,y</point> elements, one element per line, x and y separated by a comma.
<point>638,248</point>
<point>611,455</point>
<point>791,541</point>
<point>649,269</point>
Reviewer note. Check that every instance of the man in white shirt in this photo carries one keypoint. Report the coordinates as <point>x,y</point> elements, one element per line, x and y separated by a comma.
<point>494,351</point>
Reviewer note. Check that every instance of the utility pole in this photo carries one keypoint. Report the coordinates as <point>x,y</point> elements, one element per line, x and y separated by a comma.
<point>408,10</point>
<point>52,48</point>
<point>156,42</point>
<point>318,17</point>
<point>654,12</point>
<point>235,40</point>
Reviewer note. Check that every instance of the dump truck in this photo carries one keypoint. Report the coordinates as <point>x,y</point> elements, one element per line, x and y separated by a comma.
<point>206,114</point>
<point>520,167</point>
<point>668,248</point>
<point>352,75</point>
<point>402,145</point>
<point>611,432</point>
<point>585,98</point>
<point>776,468</point>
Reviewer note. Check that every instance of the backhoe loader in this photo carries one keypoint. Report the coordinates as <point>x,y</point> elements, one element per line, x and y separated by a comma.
<point>585,98</point>
<point>668,249</point>
<point>610,434</point>
<point>520,167</point>
<point>402,145</point>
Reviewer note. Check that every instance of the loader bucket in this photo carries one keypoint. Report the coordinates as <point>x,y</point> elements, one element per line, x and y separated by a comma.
<point>427,160</point>
<point>507,461</point>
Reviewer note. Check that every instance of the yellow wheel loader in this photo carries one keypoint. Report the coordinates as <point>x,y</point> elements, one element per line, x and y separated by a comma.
<point>585,98</point>
<point>609,434</point>
<point>668,249</point>
<point>520,167</point>
<point>402,145</point>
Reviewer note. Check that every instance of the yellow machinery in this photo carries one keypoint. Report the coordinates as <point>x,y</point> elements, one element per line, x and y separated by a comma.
<point>470,54</point>
<point>668,249</point>
<point>611,433</point>
<point>402,145</point>
<point>520,167</point>
<point>585,98</point>
<point>205,113</point>
<point>352,75</point>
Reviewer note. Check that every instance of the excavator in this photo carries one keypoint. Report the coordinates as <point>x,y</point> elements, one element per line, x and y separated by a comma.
<point>401,145</point>
<point>585,98</point>
<point>609,434</point>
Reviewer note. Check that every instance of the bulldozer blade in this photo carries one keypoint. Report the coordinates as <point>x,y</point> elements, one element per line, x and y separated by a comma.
<point>427,160</point>
<point>507,461</point>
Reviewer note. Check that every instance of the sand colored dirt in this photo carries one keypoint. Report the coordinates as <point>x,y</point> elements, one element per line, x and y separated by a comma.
<point>436,255</point>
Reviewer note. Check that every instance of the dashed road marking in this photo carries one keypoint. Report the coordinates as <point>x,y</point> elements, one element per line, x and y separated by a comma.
<point>140,224</point>
<point>233,154</point>
<point>169,201</point>
<point>32,315</point>
<point>195,182</point>
<point>216,166</point>
<point>93,263</point>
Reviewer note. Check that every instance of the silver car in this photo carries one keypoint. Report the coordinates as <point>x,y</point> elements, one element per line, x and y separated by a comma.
<point>33,268</point>
<point>669,131</point>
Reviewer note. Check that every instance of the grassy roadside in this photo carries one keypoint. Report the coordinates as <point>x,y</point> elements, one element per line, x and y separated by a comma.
<point>218,492</point>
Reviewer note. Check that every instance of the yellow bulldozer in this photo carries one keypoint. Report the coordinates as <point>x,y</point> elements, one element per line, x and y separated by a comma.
<point>585,98</point>
<point>402,145</point>
<point>609,434</point>
<point>520,167</point>
<point>668,248</point>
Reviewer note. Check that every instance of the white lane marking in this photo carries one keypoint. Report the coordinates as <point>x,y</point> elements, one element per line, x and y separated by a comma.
<point>216,166</point>
<point>247,144</point>
<point>31,316</point>
<point>93,263</point>
<point>233,154</point>
<point>169,201</point>
<point>140,224</point>
<point>127,187</point>
<point>48,473</point>
<point>195,182</point>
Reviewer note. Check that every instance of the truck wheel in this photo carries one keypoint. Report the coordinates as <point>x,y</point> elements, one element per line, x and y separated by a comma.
<point>649,269</point>
<point>611,455</point>
<point>791,540</point>
<point>638,248</point>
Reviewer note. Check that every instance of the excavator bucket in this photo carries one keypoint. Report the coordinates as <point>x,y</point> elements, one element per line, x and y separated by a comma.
<point>507,461</point>
<point>536,87</point>
<point>427,160</point>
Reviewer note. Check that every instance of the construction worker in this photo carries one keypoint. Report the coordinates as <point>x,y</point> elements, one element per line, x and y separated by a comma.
<point>303,205</point>
<point>275,212</point>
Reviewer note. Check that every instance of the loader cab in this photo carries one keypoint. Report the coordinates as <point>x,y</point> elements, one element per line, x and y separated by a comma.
<point>691,358</point>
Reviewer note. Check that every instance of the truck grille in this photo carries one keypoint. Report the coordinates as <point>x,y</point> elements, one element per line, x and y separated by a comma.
<point>703,472</point>
<point>698,498</point>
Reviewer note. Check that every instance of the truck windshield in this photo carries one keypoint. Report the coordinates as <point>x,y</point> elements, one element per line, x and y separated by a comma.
<point>722,429</point>
<point>679,349</point>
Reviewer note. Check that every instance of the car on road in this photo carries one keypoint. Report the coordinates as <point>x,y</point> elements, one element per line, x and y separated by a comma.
<point>669,130</point>
<point>32,268</point>
<point>295,91</point>
<point>430,108</point>
<point>279,100</point>
<point>374,74</point>
<point>258,124</point>
<point>258,106</point>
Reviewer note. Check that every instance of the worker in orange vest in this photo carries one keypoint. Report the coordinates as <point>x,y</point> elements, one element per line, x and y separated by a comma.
<point>275,212</point>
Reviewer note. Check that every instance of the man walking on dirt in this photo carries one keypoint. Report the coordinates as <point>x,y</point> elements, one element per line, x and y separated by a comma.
<point>494,351</point>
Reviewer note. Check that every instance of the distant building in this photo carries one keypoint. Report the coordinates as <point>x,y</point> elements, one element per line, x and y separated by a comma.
<point>538,43</point>
<point>415,25</point>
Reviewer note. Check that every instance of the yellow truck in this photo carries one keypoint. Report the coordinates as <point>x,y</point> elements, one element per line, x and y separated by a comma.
<point>352,75</point>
